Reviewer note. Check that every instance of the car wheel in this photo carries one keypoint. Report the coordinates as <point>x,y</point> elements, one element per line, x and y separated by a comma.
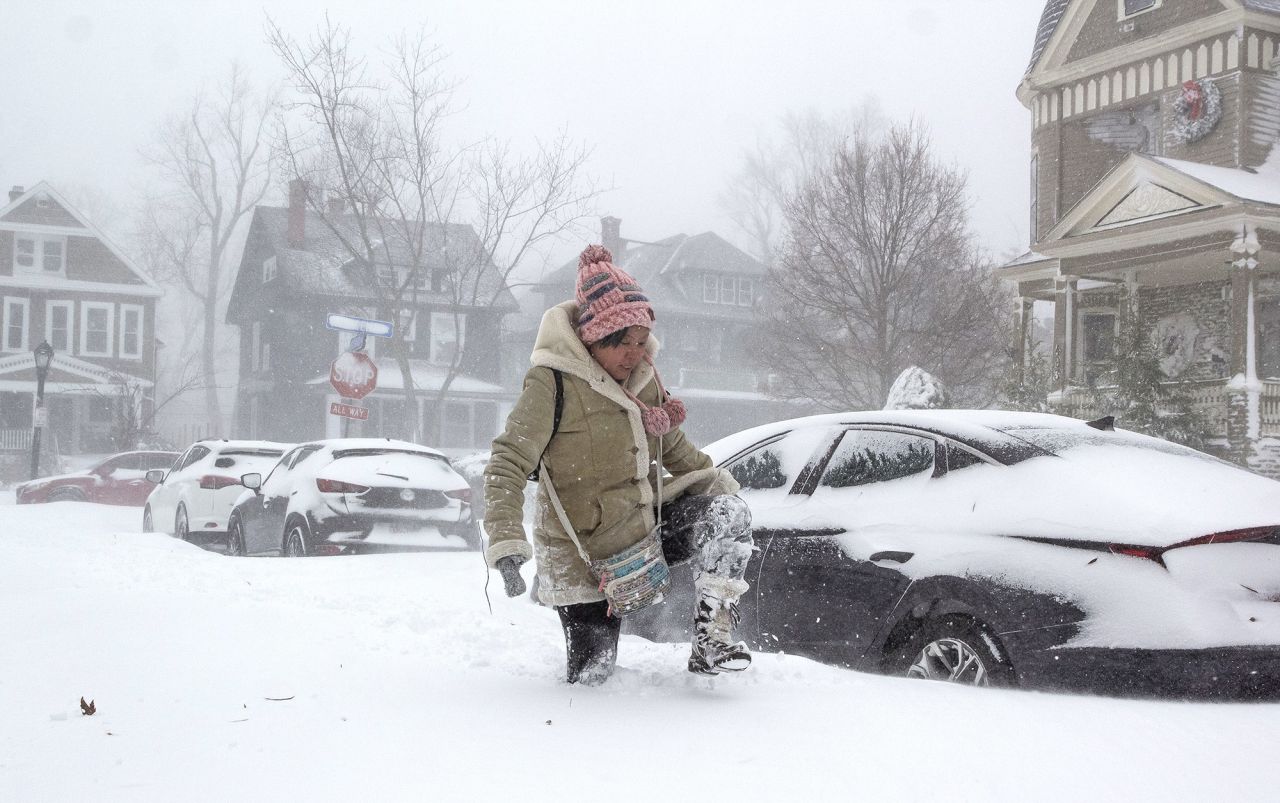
<point>296,540</point>
<point>958,650</point>
<point>67,495</point>
<point>148,526</point>
<point>235,538</point>
<point>181,527</point>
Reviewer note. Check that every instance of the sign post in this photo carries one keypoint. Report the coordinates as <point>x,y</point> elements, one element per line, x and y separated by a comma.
<point>353,374</point>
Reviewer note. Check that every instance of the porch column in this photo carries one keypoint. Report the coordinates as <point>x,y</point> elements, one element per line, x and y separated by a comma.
<point>1022,312</point>
<point>1064,290</point>
<point>1129,308</point>
<point>1244,390</point>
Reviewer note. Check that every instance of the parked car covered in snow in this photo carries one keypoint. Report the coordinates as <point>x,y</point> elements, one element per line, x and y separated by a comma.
<point>193,499</point>
<point>995,548</point>
<point>353,495</point>
<point>120,479</point>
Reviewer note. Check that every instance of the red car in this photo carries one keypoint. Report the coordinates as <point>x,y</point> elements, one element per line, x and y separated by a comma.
<point>121,479</point>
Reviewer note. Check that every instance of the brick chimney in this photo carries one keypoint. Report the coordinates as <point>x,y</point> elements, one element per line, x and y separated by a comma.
<point>15,192</point>
<point>611,236</point>
<point>297,213</point>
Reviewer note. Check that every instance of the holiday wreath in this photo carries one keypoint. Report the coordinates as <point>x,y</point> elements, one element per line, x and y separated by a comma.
<point>1197,110</point>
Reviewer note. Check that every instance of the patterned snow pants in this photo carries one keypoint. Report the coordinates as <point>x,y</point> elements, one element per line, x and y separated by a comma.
<point>714,531</point>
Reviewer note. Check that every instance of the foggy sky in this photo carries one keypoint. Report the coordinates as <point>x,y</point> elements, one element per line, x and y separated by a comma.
<point>669,93</point>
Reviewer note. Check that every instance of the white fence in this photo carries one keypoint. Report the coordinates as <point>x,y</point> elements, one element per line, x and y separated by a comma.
<point>15,440</point>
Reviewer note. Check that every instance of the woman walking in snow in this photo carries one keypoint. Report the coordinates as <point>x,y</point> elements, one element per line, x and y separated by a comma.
<point>596,422</point>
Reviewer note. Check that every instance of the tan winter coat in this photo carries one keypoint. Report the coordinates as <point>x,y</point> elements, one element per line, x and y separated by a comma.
<point>600,462</point>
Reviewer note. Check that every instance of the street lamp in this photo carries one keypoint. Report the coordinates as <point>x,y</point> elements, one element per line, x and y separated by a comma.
<point>39,419</point>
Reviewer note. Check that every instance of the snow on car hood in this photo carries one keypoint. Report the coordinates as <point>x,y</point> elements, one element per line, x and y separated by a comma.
<point>1091,493</point>
<point>395,470</point>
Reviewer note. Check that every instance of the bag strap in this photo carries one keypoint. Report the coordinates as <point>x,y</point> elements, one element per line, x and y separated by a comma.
<point>564,517</point>
<point>555,421</point>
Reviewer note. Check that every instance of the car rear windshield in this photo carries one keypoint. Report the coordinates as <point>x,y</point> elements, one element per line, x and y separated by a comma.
<point>252,453</point>
<point>341,453</point>
<point>1059,440</point>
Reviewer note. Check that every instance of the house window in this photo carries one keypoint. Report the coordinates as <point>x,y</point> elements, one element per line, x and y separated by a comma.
<point>268,269</point>
<point>1132,8</point>
<point>729,290</point>
<point>447,336</point>
<point>711,288</point>
<point>130,332</point>
<point>16,315</point>
<point>39,255</point>
<point>57,325</point>
<point>95,328</point>
<point>410,330</point>
<point>1097,343</point>
<point>1268,314</point>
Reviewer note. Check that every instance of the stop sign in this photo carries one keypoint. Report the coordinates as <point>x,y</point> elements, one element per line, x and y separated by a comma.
<point>353,375</point>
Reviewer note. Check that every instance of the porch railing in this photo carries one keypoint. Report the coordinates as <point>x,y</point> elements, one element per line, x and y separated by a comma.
<point>15,440</point>
<point>1209,397</point>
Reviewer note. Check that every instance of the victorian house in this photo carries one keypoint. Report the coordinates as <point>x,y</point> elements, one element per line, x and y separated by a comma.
<point>705,293</point>
<point>298,267</point>
<point>62,281</point>
<point>1155,200</point>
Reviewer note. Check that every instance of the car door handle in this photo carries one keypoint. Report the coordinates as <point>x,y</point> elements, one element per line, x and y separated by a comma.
<point>896,557</point>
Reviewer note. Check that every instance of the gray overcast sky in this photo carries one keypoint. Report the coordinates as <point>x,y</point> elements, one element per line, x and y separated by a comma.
<point>669,93</point>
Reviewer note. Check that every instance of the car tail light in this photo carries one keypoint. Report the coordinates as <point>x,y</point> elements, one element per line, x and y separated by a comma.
<point>212,482</point>
<point>339,487</point>
<point>1157,553</point>
<point>328,549</point>
<point>462,494</point>
<point>1147,552</point>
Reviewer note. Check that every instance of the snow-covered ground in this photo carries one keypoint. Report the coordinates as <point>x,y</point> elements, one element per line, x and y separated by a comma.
<point>385,677</point>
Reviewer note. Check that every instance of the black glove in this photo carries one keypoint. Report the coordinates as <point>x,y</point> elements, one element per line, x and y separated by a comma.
<point>510,569</point>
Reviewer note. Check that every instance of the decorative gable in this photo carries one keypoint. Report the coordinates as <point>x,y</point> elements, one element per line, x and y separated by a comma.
<point>1140,189</point>
<point>1147,200</point>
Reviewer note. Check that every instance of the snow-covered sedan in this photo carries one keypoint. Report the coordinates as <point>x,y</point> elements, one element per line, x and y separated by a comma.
<point>193,499</point>
<point>996,548</point>
<point>118,480</point>
<point>353,495</point>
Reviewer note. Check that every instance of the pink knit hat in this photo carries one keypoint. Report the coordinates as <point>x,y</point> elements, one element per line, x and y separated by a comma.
<point>608,298</point>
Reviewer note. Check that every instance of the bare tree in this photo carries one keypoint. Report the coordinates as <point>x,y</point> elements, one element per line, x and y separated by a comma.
<point>429,222</point>
<point>775,170</point>
<point>878,271</point>
<point>213,166</point>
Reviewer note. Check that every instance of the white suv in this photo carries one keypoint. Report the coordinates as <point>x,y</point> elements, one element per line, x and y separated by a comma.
<point>193,499</point>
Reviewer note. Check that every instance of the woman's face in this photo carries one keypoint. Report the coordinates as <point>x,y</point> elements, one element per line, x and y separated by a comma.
<point>620,360</point>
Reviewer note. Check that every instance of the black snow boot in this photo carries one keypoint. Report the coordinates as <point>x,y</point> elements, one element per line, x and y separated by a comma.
<point>714,650</point>
<point>591,642</point>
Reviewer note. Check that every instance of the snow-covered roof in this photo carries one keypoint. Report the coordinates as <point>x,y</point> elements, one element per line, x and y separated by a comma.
<point>325,266</point>
<point>660,266</point>
<point>1026,258</point>
<point>1049,18</point>
<point>1261,186</point>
